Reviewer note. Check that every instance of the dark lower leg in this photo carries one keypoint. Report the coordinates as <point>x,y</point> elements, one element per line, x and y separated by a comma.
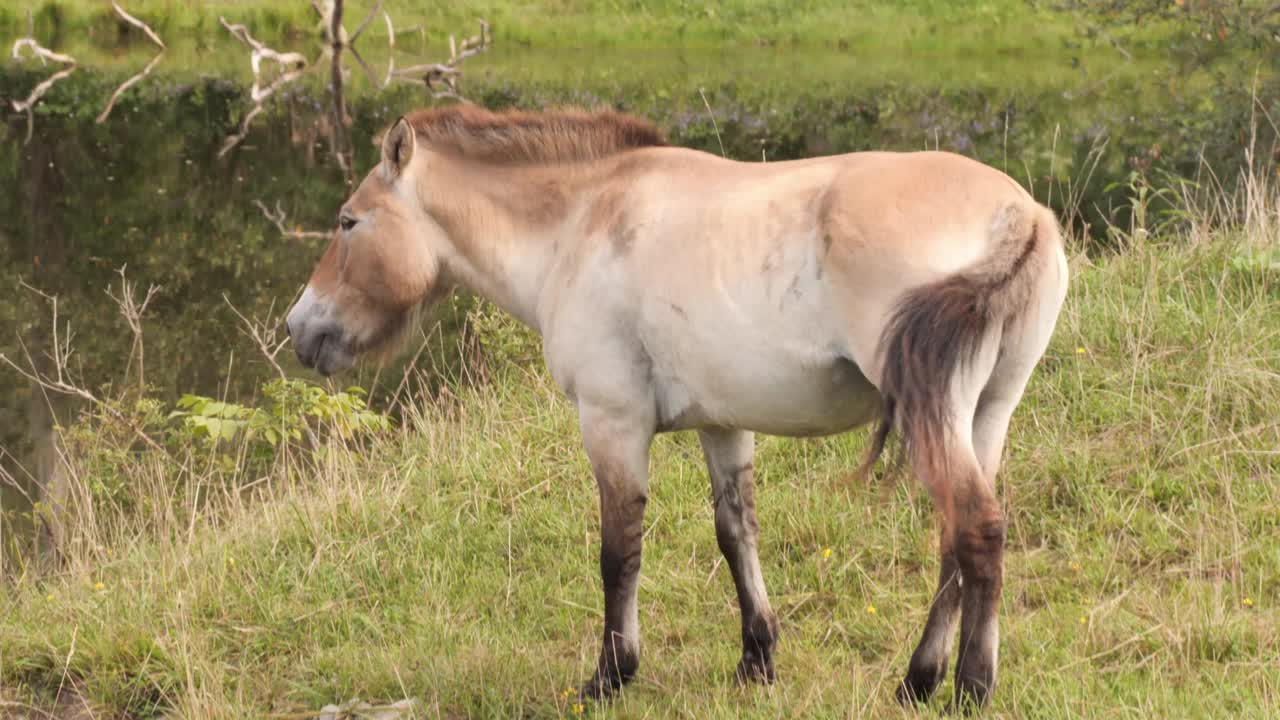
<point>929,662</point>
<point>980,552</point>
<point>736,533</point>
<point>622,522</point>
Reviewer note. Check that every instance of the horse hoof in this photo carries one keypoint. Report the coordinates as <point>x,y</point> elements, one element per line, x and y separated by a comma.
<point>753,671</point>
<point>601,687</point>
<point>970,698</point>
<point>918,686</point>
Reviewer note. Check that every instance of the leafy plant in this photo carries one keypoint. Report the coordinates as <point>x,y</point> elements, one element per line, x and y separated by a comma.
<point>293,409</point>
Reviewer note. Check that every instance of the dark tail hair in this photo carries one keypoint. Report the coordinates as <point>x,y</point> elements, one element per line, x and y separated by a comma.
<point>936,327</point>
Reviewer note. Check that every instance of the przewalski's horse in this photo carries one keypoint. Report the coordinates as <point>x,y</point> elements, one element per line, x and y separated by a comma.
<point>676,290</point>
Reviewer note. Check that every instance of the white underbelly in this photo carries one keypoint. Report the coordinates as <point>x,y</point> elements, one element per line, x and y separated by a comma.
<point>772,399</point>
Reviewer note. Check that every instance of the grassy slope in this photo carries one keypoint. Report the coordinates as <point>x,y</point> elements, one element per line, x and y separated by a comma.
<point>456,563</point>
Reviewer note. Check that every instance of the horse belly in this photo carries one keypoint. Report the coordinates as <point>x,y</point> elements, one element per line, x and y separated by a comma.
<point>771,398</point>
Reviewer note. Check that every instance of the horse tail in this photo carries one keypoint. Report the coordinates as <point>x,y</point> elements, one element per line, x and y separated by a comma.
<point>937,328</point>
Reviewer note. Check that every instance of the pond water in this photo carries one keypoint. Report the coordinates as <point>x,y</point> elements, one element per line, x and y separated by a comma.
<point>147,191</point>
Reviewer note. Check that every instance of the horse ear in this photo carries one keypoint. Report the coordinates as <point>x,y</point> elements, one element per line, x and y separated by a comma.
<point>397,148</point>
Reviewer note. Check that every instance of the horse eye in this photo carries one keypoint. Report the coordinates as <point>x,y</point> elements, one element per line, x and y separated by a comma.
<point>346,222</point>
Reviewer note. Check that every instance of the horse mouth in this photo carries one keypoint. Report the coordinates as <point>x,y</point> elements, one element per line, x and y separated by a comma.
<point>331,356</point>
<point>326,354</point>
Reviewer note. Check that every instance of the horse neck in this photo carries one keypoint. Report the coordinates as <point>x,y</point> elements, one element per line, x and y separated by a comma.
<point>505,225</point>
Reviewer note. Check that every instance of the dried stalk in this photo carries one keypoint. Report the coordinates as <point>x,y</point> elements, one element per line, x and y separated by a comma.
<point>132,311</point>
<point>61,383</point>
<point>264,334</point>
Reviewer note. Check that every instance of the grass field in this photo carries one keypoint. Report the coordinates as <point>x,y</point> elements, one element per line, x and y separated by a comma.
<point>920,25</point>
<point>454,561</point>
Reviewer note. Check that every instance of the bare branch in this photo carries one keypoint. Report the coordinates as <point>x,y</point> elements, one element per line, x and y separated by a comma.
<point>64,388</point>
<point>442,78</point>
<point>38,91</point>
<point>339,143</point>
<point>139,24</point>
<point>373,82</point>
<point>145,71</point>
<point>365,23</point>
<point>391,49</point>
<point>125,86</point>
<point>234,140</point>
<point>278,219</point>
<point>294,63</point>
<point>39,51</point>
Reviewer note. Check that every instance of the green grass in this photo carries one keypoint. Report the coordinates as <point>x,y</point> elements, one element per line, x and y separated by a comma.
<point>920,25</point>
<point>455,562</point>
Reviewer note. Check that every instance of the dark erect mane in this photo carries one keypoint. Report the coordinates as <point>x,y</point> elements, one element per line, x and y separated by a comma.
<point>521,138</point>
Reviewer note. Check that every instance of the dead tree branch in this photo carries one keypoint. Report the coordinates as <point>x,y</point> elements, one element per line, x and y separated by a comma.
<point>391,50</point>
<point>278,219</point>
<point>365,23</point>
<point>441,78</point>
<point>139,24</point>
<point>294,64</point>
<point>43,53</point>
<point>341,146</point>
<point>145,71</point>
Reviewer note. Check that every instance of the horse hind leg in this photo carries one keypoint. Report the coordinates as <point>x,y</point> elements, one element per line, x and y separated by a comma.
<point>971,538</point>
<point>928,665</point>
<point>971,546</point>
<point>973,525</point>
<point>728,454</point>
<point>981,544</point>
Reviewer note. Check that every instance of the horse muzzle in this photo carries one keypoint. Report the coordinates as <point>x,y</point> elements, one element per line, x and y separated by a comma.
<point>317,337</point>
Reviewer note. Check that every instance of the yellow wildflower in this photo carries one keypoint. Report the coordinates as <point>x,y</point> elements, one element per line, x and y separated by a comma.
<point>567,692</point>
<point>1248,602</point>
<point>826,553</point>
<point>1081,351</point>
<point>99,586</point>
<point>1083,619</point>
<point>871,609</point>
<point>578,709</point>
<point>50,598</point>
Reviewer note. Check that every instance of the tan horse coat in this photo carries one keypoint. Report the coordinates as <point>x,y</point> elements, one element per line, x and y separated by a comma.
<point>676,290</point>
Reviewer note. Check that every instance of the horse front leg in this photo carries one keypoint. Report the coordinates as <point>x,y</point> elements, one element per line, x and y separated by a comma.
<point>618,449</point>
<point>728,454</point>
